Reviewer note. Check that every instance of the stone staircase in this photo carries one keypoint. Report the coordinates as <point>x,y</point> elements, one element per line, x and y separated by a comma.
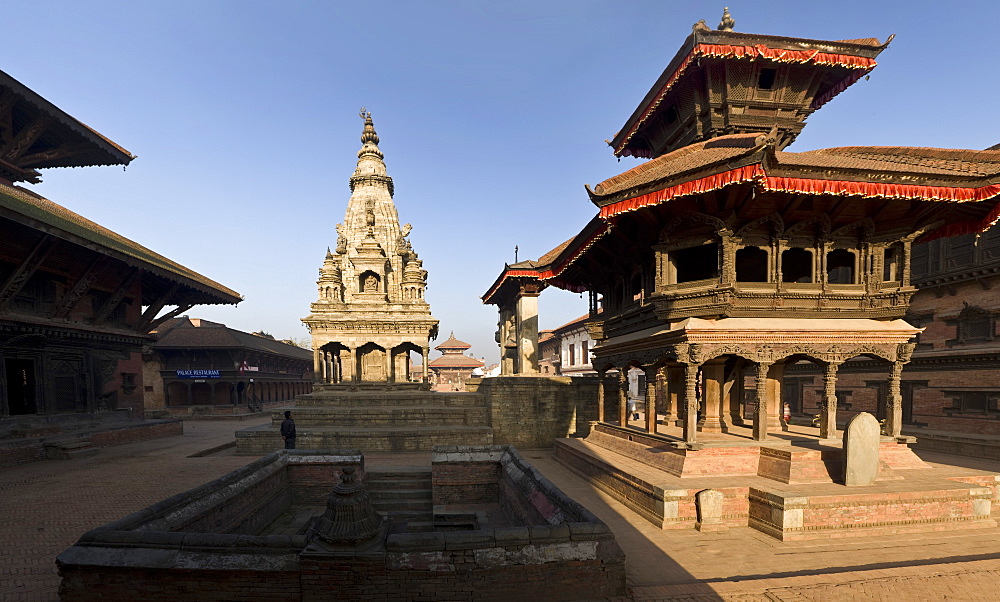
<point>376,421</point>
<point>69,449</point>
<point>402,493</point>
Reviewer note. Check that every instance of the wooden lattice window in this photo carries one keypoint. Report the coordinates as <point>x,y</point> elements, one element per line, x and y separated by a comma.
<point>975,325</point>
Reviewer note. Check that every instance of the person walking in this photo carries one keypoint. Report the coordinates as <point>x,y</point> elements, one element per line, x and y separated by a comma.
<point>288,430</point>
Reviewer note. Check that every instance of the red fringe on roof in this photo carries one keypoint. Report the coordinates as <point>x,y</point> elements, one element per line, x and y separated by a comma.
<point>699,186</point>
<point>862,64</point>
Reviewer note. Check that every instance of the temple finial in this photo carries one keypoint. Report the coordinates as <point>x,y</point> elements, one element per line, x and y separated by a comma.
<point>368,135</point>
<point>728,22</point>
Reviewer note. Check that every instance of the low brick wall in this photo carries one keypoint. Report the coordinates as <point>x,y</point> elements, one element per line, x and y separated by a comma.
<point>138,432</point>
<point>21,452</point>
<point>530,412</point>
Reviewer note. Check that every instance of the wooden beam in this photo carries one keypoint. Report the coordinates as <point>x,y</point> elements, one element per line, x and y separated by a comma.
<point>70,298</point>
<point>838,208</point>
<point>109,306</point>
<point>155,307</point>
<point>170,314</point>
<point>61,152</point>
<point>15,284</point>
<point>25,138</point>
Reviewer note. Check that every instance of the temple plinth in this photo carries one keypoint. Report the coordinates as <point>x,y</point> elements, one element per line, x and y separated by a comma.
<point>370,312</point>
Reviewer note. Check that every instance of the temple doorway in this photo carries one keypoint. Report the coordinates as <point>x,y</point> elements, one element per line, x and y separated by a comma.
<point>21,386</point>
<point>372,360</point>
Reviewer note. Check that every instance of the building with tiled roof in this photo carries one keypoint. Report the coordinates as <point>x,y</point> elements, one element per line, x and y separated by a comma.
<point>197,366</point>
<point>725,258</point>
<point>453,368</point>
<point>77,301</point>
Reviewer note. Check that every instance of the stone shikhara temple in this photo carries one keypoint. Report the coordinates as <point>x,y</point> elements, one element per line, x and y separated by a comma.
<point>725,258</point>
<point>371,311</point>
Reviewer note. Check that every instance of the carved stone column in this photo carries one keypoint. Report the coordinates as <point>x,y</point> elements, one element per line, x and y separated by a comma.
<point>713,421</point>
<point>651,398</point>
<point>734,394</point>
<point>318,371</point>
<point>828,413</point>
<point>527,330</point>
<point>894,404</point>
<point>774,406</point>
<point>675,388</point>
<point>601,374</point>
<point>665,404</point>
<point>690,403</point>
<point>390,374</point>
<point>424,351</point>
<point>623,396</point>
<point>760,409</point>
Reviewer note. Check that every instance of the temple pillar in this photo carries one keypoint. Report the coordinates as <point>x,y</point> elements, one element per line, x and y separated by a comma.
<point>601,374</point>
<point>666,404</point>
<point>651,398</point>
<point>318,372</point>
<point>348,362</point>
<point>675,393</point>
<point>689,402</point>
<point>527,331</point>
<point>760,408</point>
<point>623,397</point>
<point>713,374</point>
<point>894,404</point>
<point>734,394</point>
<point>774,406</point>
<point>828,413</point>
<point>390,374</point>
<point>424,352</point>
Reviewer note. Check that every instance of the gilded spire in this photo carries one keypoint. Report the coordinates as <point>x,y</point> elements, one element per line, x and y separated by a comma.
<point>728,22</point>
<point>368,135</point>
<point>371,167</point>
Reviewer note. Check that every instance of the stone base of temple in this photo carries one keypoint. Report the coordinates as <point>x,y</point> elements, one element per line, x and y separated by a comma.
<point>376,420</point>
<point>371,386</point>
<point>788,487</point>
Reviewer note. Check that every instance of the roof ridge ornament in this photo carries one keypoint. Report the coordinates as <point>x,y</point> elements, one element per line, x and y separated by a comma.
<point>727,23</point>
<point>368,135</point>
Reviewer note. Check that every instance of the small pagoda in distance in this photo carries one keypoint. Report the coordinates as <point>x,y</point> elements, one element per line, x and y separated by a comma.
<point>453,368</point>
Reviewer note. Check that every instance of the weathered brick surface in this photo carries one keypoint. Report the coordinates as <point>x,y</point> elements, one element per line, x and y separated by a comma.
<point>141,432</point>
<point>21,452</point>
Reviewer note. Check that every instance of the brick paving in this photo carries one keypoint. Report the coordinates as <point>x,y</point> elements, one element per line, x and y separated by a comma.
<point>45,506</point>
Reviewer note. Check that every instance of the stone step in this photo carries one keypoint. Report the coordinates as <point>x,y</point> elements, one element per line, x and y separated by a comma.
<point>385,416</point>
<point>403,505</point>
<point>262,440</point>
<point>389,398</point>
<point>70,449</point>
<point>397,484</point>
<point>386,495</point>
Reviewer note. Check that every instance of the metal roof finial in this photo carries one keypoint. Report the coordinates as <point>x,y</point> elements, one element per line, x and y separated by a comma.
<point>728,22</point>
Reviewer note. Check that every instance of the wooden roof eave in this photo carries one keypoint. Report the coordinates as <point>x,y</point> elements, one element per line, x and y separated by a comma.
<point>222,294</point>
<point>117,154</point>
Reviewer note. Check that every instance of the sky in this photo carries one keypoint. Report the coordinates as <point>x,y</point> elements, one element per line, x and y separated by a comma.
<point>492,117</point>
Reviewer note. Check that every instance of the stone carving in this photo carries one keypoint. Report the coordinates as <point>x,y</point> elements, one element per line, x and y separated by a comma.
<point>708,504</point>
<point>371,284</point>
<point>861,441</point>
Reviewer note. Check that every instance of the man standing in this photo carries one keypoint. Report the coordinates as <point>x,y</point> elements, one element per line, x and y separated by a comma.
<point>288,430</point>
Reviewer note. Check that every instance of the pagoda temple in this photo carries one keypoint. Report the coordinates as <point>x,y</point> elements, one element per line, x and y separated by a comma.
<point>371,311</point>
<point>453,368</point>
<point>723,258</point>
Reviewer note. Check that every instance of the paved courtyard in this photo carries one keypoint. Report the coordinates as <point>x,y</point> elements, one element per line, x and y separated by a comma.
<point>46,506</point>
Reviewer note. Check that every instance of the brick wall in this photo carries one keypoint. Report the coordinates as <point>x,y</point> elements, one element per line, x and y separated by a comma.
<point>139,432</point>
<point>21,452</point>
<point>532,411</point>
<point>85,585</point>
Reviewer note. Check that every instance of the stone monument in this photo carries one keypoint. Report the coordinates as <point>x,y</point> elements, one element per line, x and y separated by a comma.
<point>371,311</point>
<point>861,440</point>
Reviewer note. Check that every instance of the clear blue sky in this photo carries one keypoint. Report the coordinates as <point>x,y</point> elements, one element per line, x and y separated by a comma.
<point>492,117</point>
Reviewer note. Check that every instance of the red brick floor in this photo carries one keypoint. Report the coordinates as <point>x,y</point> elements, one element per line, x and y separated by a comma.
<point>46,506</point>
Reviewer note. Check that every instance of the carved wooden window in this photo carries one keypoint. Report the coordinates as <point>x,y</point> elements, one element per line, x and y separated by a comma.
<point>960,252</point>
<point>892,264</point>
<point>696,263</point>
<point>841,267</point>
<point>975,325</point>
<point>973,402</point>
<point>919,261</point>
<point>765,81</point>
<point>752,265</point>
<point>797,265</point>
<point>572,354</point>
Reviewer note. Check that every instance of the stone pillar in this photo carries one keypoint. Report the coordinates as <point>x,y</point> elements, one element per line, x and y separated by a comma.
<point>690,403</point>
<point>321,368</point>
<point>651,399</point>
<point>527,332</point>
<point>623,396</point>
<point>390,374</point>
<point>714,379</point>
<point>349,365</point>
<point>675,389</point>
<point>760,409</point>
<point>774,405</point>
<point>424,352</point>
<point>601,374</point>
<point>828,412</point>
<point>734,394</point>
<point>894,404</point>
<point>317,369</point>
<point>666,403</point>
